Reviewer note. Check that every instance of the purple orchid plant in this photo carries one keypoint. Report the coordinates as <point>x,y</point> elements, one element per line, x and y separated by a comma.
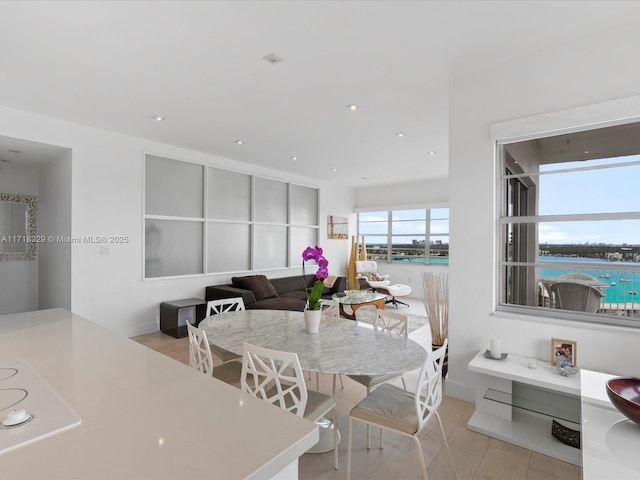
<point>313,298</point>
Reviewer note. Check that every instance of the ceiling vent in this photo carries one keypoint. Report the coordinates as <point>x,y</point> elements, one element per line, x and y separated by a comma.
<point>272,59</point>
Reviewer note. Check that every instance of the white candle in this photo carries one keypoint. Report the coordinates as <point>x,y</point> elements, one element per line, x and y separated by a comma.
<point>496,348</point>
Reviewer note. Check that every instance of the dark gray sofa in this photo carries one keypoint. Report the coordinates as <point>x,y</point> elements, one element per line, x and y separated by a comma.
<point>283,293</point>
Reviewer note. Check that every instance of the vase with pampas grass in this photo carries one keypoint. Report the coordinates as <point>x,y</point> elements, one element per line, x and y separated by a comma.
<point>435,289</point>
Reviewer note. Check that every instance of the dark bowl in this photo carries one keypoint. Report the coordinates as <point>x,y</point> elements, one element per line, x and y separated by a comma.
<point>624,393</point>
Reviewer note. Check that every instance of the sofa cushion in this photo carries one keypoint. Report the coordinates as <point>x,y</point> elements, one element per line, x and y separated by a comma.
<point>258,284</point>
<point>278,303</point>
<point>292,283</point>
<point>299,294</point>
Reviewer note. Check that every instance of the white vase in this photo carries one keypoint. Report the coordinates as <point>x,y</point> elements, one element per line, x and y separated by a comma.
<point>312,320</point>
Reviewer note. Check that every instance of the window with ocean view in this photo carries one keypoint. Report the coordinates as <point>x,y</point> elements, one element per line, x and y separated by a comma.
<point>406,236</point>
<point>570,226</point>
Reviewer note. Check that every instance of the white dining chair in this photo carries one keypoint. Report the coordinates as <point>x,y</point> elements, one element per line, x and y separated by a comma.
<point>366,314</point>
<point>276,377</point>
<point>201,359</point>
<point>381,320</point>
<point>392,408</point>
<point>223,305</point>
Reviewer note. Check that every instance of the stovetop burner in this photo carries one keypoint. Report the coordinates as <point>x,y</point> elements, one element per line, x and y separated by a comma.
<point>29,409</point>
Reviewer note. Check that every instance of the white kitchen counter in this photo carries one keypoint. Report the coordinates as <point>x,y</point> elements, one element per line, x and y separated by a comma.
<point>143,414</point>
<point>610,442</point>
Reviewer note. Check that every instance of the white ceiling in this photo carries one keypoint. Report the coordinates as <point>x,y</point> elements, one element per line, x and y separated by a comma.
<point>114,65</point>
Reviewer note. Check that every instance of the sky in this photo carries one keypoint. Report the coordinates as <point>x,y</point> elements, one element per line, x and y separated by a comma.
<point>593,191</point>
<point>405,222</point>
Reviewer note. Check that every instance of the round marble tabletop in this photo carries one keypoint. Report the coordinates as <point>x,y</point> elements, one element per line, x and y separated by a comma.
<point>341,346</point>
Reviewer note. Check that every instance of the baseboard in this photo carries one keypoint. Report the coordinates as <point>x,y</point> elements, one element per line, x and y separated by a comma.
<point>136,330</point>
<point>460,391</point>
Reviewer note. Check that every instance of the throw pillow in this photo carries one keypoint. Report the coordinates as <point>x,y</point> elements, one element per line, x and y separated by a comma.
<point>258,284</point>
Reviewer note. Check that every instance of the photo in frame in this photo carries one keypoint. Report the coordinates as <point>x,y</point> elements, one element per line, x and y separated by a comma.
<point>337,227</point>
<point>563,351</point>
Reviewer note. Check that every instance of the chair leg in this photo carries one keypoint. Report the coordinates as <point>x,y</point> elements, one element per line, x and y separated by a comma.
<point>368,438</point>
<point>334,382</point>
<point>381,439</point>
<point>395,302</point>
<point>335,437</point>
<point>349,449</point>
<point>446,444</point>
<point>421,455</point>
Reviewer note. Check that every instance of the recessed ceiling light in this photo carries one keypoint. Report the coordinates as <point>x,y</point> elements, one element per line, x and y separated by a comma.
<point>158,118</point>
<point>334,169</point>
<point>239,142</point>
<point>353,106</point>
<point>431,153</point>
<point>272,59</point>
<point>400,134</point>
<point>586,151</point>
<point>12,150</point>
<point>294,158</point>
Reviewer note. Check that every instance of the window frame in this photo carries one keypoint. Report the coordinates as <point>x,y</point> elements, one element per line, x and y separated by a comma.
<point>390,235</point>
<point>504,219</point>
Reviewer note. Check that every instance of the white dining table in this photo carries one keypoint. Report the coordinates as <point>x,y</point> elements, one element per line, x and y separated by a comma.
<point>341,346</point>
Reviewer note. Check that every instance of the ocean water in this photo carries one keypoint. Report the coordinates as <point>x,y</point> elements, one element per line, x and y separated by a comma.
<point>432,260</point>
<point>622,286</point>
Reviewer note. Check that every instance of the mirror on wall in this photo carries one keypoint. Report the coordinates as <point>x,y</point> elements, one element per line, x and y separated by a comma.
<point>18,230</point>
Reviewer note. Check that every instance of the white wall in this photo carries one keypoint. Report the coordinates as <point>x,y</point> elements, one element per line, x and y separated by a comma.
<point>107,200</point>
<point>19,278</point>
<point>420,193</point>
<point>54,219</point>
<point>594,69</point>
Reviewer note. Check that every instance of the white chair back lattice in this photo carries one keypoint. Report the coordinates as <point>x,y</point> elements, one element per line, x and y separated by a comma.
<point>224,305</point>
<point>331,312</point>
<point>429,390</point>
<point>367,314</point>
<point>199,351</point>
<point>392,322</point>
<point>274,376</point>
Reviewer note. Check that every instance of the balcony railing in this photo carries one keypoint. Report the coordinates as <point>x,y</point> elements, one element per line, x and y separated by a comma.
<point>616,289</point>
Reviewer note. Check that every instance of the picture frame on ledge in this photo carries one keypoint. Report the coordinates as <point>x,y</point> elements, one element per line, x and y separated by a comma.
<point>563,351</point>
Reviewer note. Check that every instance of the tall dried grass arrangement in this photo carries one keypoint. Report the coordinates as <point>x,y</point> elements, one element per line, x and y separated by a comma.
<point>435,287</point>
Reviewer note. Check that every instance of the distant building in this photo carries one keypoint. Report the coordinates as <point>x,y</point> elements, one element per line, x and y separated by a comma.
<point>613,256</point>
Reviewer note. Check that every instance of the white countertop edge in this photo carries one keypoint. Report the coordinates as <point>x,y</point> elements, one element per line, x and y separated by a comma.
<point>293,453</point>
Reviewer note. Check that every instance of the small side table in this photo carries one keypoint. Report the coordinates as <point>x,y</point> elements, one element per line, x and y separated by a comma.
<point>174,315</point>
<point>355,303</point>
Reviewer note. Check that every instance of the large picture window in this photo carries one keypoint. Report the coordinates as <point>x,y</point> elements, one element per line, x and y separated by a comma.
<point>570,226</point>
<point>206,220</point>
<point>406,236</point>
